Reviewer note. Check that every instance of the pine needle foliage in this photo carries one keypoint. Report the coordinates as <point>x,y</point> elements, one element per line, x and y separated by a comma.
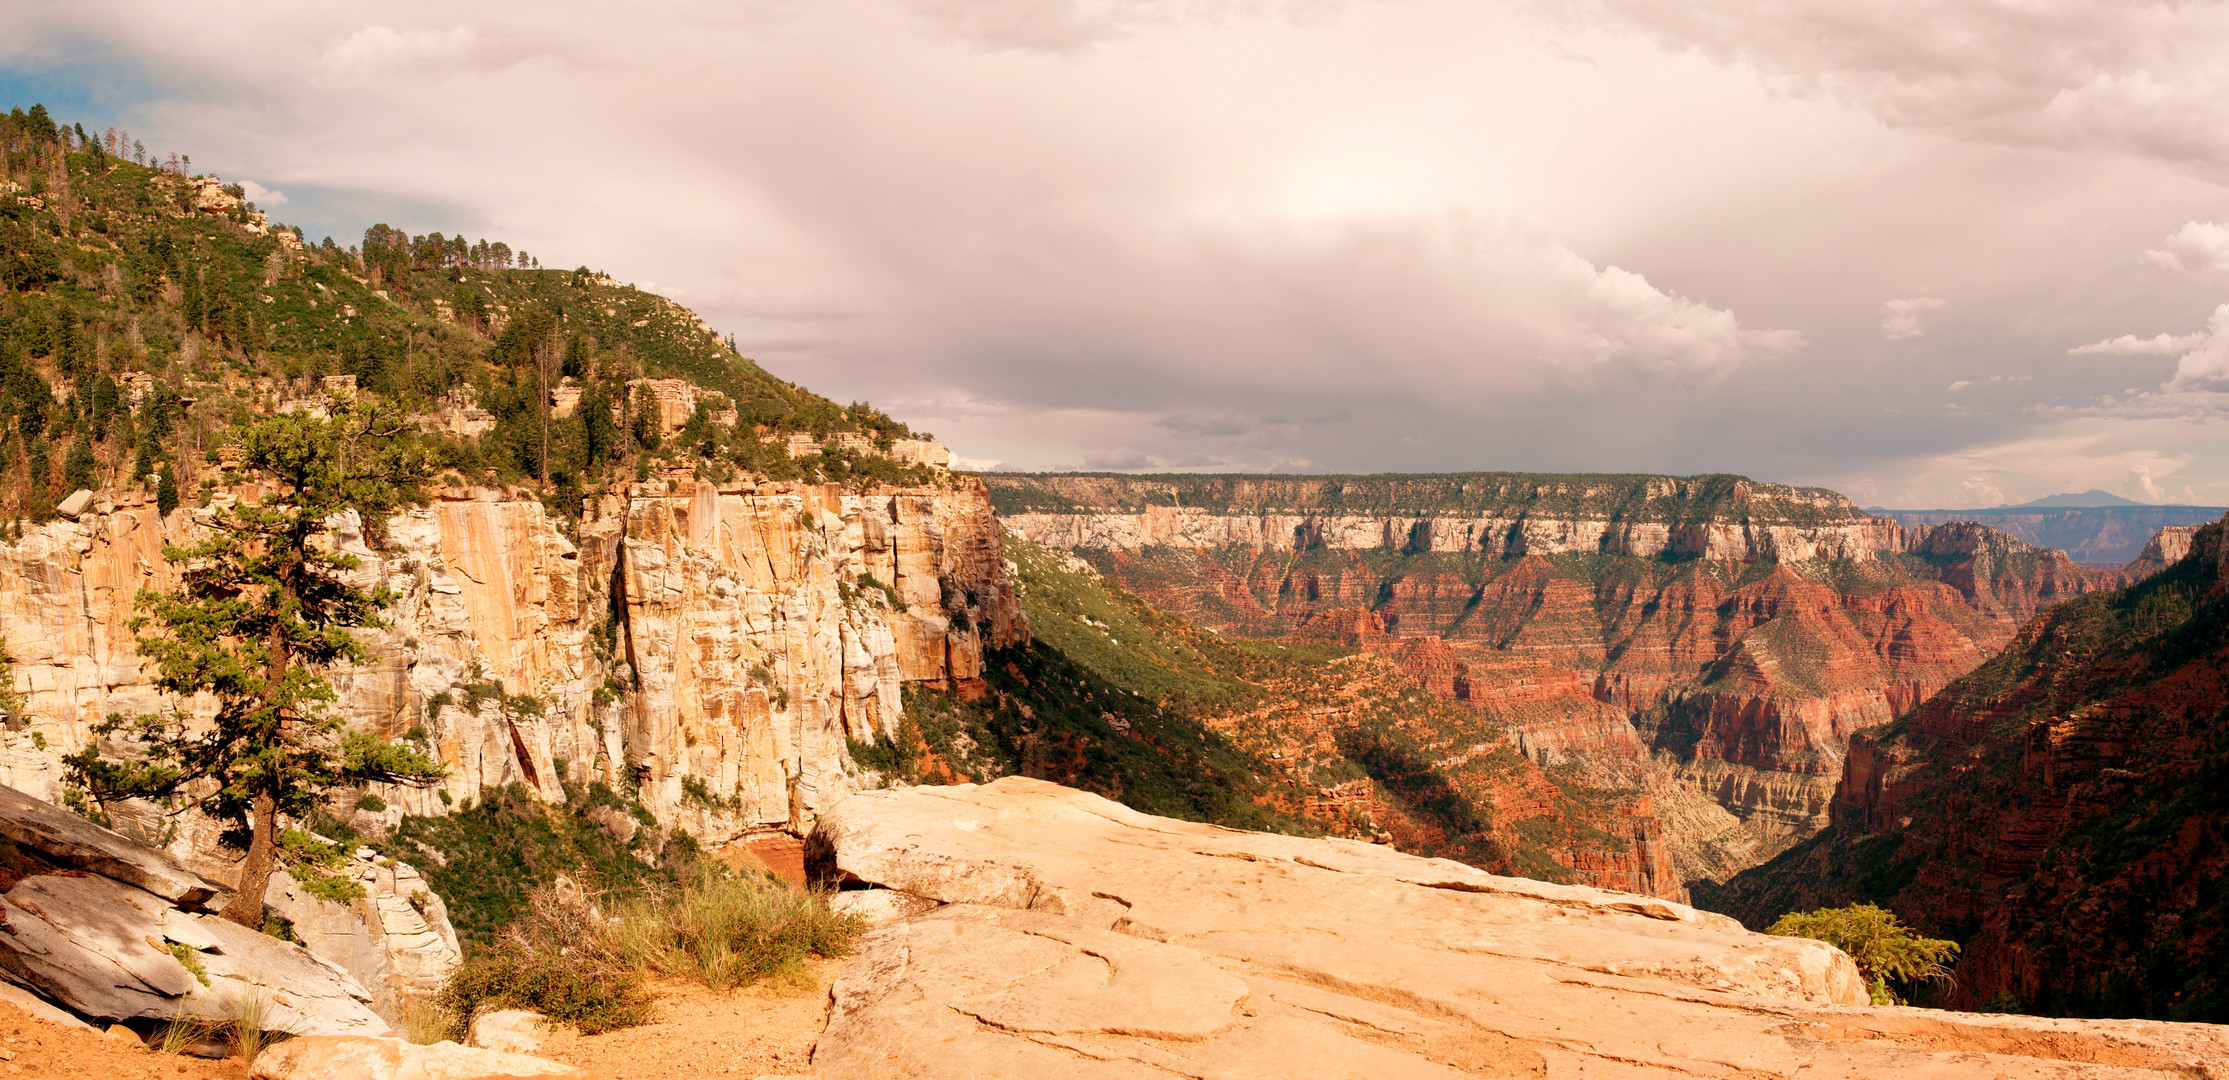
<point>263,606</point>
<point>1886,951</point>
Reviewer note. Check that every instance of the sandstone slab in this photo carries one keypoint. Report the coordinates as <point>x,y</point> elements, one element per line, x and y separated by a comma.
<point>1080,938</point>
<point>82,844</point>
<point>336,1057</point>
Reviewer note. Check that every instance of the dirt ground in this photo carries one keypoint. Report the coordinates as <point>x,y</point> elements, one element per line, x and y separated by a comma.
<point>31,1047</point>
<point>747,1033</point>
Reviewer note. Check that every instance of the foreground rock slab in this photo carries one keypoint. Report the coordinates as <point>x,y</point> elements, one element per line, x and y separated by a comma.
<point>344,1057</point>
<point>1078,938</point>
<point>100,943</point>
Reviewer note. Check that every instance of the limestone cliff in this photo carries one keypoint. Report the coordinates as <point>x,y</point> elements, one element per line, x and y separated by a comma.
<point>1711,641</point>
<point>711,647</point>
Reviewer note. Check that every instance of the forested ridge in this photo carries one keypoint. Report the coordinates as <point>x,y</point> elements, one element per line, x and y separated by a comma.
<point>144,311</point>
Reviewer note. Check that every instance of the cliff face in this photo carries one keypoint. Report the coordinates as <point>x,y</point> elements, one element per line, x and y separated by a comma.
<point>1711,641</point>
<point>711,646</point>
<point>2061,810</point>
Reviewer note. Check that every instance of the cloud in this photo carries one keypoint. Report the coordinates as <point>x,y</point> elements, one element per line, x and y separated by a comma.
<point>1978,491</point>
<point>1138,232</point>
<point>2197,247</point>
<point>2138,78</point>
<point>2206,365</point>
<point>376,50</point>
<point>1901,319</point>
<point>2141,487</point>
<point>2131,345</point>
<point>263,197</point>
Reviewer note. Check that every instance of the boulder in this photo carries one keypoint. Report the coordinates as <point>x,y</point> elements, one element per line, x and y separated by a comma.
<point>75,505</point>
<point>513,1031</point>
<point>77,842</point>
<point>103,949</point>
<point>1078,938</point>
<point>334,1057</point>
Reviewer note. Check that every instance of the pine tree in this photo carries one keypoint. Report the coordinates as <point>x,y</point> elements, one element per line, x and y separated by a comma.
<point>166,491</point>
<point>262,608</point>
<point>78,468</point>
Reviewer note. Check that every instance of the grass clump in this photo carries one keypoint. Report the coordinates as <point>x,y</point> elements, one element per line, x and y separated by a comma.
<point>581,957</point>
<point>726,930</point>
<point>1885,950</point>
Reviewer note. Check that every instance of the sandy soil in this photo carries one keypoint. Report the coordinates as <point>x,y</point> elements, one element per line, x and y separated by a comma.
<point>31,1047</point>
<point>748,1033</point>
<point>752,1032</point>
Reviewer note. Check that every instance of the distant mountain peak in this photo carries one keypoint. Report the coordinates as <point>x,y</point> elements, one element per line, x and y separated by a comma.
<point>2092,497</point>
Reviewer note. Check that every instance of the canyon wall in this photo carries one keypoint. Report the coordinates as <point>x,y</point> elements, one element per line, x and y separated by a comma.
<point>2060,811</point>
<point>711,646</point>
<point>1712,642</point>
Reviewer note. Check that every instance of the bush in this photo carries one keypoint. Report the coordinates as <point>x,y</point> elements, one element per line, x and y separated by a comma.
<point>1884,949</point>
<point>726,929</point>
<point>567,988</point>
<point>580,957</point>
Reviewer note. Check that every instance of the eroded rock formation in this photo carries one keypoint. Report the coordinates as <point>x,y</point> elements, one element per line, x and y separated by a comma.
<point>1711,641</point>
<point>2060,810</point>
<point>1069,936</point>
<point>710,646</point>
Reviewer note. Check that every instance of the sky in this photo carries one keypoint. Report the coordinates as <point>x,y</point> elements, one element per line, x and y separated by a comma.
<point>1945,254</point>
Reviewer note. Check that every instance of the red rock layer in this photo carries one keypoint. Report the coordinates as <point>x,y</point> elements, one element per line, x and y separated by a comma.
<point>2061,810</point>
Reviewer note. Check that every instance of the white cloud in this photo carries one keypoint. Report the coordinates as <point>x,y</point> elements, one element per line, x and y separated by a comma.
<point>375,50</point>
<point>2141,487</point>
<point>1065,230</point>
<point>263,197</point>
<point>1979,492</point>
<point>2131,345</point>
<point>1902,318</point>
<point>2139,78</point>
<point>2197,247</point>
<point>2206,365</point>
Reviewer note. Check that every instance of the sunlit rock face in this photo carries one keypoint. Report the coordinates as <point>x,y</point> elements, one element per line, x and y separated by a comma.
<point>711,645</point>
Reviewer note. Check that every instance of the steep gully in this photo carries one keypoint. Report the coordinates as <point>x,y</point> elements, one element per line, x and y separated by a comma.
<point>1707,646</point>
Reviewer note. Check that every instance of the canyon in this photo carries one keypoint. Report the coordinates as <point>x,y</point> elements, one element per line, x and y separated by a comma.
<point>2060,810</point>
<point>1707,644</point>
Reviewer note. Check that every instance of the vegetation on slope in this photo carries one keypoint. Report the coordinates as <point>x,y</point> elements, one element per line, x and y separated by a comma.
<point>1116,697</point>
<point>144,311</point>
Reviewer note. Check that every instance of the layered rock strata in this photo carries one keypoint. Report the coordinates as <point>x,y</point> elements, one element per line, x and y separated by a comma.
<point>711,646</point>
<point>2060,811</point>
<point>1066,935</point>
<point>1711,641</point>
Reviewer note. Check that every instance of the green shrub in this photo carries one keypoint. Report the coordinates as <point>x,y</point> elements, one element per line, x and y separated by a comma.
<point>580,957</point>
<point>1884,949</point>
<point>725,929</point>
<point>572,989</point>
